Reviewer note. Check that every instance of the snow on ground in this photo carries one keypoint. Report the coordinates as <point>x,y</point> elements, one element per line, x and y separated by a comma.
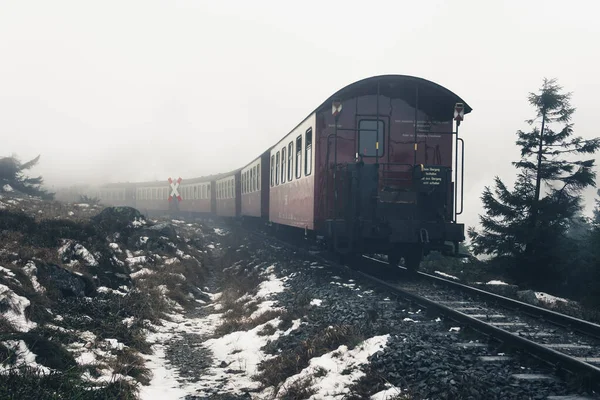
<point>7,188</point>
<point>333,373</point>
<point>386,394</point>
<point>220,232</point>
<point>24,356</point>
<point>142,272</point>
<point>15,314</point>
<point>7,272</point>
<point>30,269</point>
<point>445,275</point>
<point>496,282</point>
<point>131,261</point>
<point>239,351</point>
<point>549,299</point>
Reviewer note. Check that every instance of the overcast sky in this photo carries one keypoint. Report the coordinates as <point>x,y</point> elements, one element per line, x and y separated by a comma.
<point>144,90</point>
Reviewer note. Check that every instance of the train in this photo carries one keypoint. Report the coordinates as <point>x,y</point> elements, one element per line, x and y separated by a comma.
<point>374,169</point>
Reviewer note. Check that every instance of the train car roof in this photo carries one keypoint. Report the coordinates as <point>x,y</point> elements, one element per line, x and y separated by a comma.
<point>436,100</point>
<point>403,87</point>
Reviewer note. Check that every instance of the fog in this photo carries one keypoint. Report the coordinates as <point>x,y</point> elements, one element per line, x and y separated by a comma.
<point>145,90</point>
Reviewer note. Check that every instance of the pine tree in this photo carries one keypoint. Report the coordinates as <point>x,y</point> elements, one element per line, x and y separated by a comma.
<point>12,174</point>
<point>522,223</point>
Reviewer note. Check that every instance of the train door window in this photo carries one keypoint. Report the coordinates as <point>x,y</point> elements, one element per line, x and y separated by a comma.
<point>308,151</point>
<point>208,191</point>
<point>370,137</point>
<point>154,194</point>
<point>272,171</point>
<point>298,157</point>
<point>251,181</point>
<point>283,165</point>
<point>255,180</point>
<point>277,164</point>
<point>243,182</point>
<point>290,167</point>
<point>258,177</point>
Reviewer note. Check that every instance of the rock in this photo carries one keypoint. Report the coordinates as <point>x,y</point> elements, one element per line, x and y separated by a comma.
<point>118,219</point>
<point>68,283</point>
<point>528,296</point>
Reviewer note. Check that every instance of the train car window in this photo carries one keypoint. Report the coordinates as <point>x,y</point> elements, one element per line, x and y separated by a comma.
<point>277,163</point>
<point>272,171</point>
<point>370,141</point>
<point>298,157</point>
<point>244,182</point>
<point>308,151</point>
<point>258,177</point>
<point>290,167</point>
<point>283,165</point>
<point>255,178</point>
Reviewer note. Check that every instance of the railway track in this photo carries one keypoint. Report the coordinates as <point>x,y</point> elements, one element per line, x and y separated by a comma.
<point>566,343</point>
<point>570,346</point>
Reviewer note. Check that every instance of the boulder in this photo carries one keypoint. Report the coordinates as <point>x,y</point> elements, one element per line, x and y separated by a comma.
<point>528,296</point>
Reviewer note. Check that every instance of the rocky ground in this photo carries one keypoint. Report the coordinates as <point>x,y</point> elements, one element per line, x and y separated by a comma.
<point>103,303</point>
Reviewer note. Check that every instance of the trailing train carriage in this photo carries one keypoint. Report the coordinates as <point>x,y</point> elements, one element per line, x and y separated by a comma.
<point>255,189</point>
<point>374,169</point>
<point>371,170</point>
<point>228,195</point>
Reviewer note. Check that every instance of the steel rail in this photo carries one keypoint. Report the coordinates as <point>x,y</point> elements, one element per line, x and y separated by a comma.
<point>590,373</point>
<point>586,327</point>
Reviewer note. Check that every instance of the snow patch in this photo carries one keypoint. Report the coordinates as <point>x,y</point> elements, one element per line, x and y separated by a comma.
<point>15,314</point>
<point>496,282</point>
<point>445,275</point>
<point>7,188</point>
<point>333,373</point>
<point>549,299</point>
<point>316,302</point>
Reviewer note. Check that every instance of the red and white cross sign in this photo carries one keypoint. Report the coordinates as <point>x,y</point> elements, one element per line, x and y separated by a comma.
<point>174,192</point>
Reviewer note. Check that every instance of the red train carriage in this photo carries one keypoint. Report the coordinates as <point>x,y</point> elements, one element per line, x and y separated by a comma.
<point>152,197</point>
<point>371,170</point>
<point>255,189</point>
<point>292,181</point>
<point>228,195</point>
<point>195,195</point>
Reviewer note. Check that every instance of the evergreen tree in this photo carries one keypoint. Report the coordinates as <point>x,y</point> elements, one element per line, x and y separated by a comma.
<point>12,174</point>
<point>522,223</point>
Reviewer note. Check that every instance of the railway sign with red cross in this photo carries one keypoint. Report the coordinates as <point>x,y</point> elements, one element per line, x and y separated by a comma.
<point>174,192</point>
<point>336,108</point>
<point>459,112</point>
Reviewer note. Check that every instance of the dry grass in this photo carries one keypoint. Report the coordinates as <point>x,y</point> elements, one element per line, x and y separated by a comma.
<point>276,370</point>
<point>129,363</point>
<point>230,325</point>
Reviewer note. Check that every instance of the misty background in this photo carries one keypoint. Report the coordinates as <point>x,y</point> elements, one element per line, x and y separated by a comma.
<point>118,91</point>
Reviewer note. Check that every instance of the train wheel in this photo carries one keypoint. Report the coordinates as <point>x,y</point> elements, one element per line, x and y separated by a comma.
<point>413,258</point>
<point>394,259</point>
